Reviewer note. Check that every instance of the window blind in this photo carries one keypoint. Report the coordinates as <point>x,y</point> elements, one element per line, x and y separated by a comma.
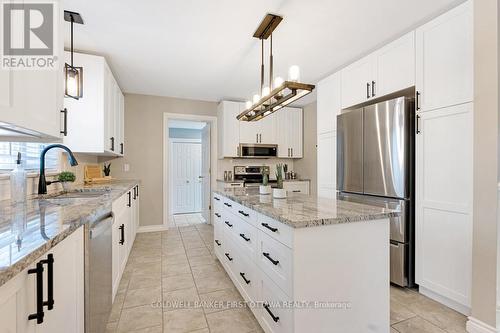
<point>30,153</point>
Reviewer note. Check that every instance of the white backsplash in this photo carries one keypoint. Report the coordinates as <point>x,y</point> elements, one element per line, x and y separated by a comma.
<point>228,164</point>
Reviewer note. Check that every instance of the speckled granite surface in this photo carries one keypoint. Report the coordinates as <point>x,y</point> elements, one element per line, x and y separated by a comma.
<point>29,230</point>
<point>300,211</point>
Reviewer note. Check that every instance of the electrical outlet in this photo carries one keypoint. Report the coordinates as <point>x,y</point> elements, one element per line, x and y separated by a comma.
<point>126,167</point>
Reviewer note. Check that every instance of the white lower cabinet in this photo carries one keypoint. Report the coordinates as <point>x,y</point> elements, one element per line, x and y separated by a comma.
<point>18,296</point>
<point>126,221</point>
<point>285,266</point>
<point>299,186</point>
<point>444,180</point>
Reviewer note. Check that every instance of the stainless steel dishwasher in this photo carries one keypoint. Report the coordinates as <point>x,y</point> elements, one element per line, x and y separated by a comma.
<point>98,279</point>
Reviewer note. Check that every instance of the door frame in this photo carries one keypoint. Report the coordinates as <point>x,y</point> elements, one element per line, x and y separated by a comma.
<point>171,142</point>
<point>166,157</point>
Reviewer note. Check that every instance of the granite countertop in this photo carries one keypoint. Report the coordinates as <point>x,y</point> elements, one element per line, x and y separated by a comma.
<point>29,230</point>
<point>300,210</point>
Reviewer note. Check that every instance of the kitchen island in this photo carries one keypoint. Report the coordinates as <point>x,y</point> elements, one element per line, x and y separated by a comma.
<point>306,264</point>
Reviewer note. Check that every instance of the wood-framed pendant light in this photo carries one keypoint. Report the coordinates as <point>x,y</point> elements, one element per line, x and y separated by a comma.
<point>282,94</point>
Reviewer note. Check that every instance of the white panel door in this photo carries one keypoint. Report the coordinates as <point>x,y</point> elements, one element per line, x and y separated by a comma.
<point>444,75</point>
<point>327,164</point>
<point>205,172</point>
<point>186,169</point>
<point>328,103</point>
<point>444,182</point>
<point>357,81</point>
<point>396,65</point>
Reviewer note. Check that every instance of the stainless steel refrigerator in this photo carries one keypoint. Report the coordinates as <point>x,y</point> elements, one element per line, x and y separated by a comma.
<point>375,165</point>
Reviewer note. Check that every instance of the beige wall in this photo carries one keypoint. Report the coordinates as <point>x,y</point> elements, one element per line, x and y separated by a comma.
<point>484,254</point>
<point>306,167</point>
<point>144,146</point>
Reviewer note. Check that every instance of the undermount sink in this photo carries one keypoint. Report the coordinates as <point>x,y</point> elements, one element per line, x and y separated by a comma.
<point>80,194</point>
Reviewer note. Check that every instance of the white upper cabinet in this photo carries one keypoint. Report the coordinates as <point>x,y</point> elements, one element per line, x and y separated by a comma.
<point>396,65</point>
<point>31,100</point>
<point>289,130</point>
<point>260,132</point>
<point>327,164</point>
<point>387,70</point>
<point>356,82</point>
<point>445,59</point>
<point>228,129</point>
<point>95,121</point>
<point>328,103</point>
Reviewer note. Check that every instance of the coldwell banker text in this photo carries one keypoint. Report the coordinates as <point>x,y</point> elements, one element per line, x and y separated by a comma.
<point>29,38</point>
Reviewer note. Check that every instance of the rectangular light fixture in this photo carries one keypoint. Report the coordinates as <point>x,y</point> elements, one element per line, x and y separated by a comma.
<point>74,81</point>
<point>280,97</point>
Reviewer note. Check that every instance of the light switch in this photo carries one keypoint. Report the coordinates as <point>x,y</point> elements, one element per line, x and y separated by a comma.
<point>126,167</point>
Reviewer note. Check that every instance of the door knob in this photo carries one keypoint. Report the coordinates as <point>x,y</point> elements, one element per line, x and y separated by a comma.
<point>201,177</point>
<point>187,181</point>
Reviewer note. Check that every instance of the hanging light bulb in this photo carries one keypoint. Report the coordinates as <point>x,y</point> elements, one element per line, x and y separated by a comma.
<point>294,73</point>
<point>248,105</point>
<point>72,81</point>
<point>278,82</point>
<point>256,99</point>
<point>265,91</point>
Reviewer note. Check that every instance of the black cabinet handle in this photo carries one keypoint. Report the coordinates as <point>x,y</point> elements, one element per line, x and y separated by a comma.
<point>244,278</point>
<point>121,148</point>
<point>129,203</point>
<point>245,238</point>
<point>417,123</point>
<point>216,198</point>
<point>228,224</point>
<point>266,254</point>
<point>65,122</point>
<point>229,205</point>
<point>50,281</point>
<point>217,242</point>
<point>417,103</point>
<point>269,227</point>
<point>228,257</point>
<point>39,293</point>
<point>275,318</point>
<point>135,193</point>
<point>122,234</point>
<point>367,90</point>
<point>243,213</point>
<point>217,214</point>
<point>296,191</point>
<point>373,88</point>
<point>137,186</point>
<point>112,143</point>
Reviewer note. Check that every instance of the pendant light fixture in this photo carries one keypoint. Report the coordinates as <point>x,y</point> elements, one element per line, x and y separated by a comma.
<point>73,86</point>
<point>279,92</point>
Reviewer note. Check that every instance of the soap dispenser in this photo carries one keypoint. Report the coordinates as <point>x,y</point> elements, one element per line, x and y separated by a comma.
<point>18,182</point>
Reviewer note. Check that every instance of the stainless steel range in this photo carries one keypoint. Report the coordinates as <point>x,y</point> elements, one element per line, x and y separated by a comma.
<point>250,175</point>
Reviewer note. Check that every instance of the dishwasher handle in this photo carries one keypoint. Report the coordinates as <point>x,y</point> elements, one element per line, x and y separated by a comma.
<point>100,226</point>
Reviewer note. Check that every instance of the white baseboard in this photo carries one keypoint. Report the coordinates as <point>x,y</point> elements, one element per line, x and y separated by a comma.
<point>477,326</point>
<point>152,228</point>
<point>463,309</point>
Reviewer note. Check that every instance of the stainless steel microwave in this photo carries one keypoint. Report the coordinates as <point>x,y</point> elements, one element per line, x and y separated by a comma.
<point>252,150</point>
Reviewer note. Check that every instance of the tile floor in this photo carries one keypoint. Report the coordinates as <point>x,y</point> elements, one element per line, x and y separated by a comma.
<point>167,270</point>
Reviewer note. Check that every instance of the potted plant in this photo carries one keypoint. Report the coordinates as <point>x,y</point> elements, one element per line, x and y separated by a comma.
<point>66,178</point>
<point>107,170</point>
<point>279,192</point>
<point>265,188</point>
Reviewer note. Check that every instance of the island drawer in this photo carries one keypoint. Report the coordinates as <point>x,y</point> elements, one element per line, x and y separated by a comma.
<point>229,205</point>
<point>273,316</point>
<point>275,259</point>
<point>228,222</point>
<point>219,240</point>
<point>246,214</point>
<point>246,238</point>
<point>276,230</point>
<point>247,277</point>
<point>229,258</point>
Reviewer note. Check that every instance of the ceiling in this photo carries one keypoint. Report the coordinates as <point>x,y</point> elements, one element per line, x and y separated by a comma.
<point>204,50</point>
<point>186,124</point>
